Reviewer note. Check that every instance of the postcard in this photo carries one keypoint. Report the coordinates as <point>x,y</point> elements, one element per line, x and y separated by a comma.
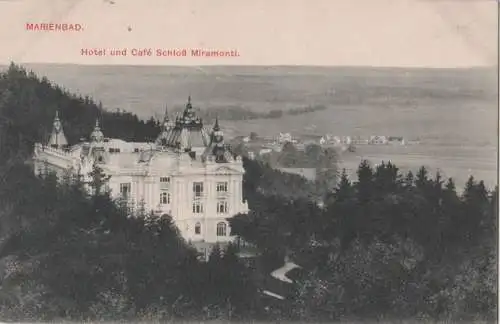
<point>264,161</point>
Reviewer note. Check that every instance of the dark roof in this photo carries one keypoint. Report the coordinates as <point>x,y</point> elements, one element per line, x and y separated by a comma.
<point>187,131</point>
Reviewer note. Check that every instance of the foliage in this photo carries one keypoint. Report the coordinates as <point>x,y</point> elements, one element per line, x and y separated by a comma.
<point>242,113</point>
<point>28,105</point>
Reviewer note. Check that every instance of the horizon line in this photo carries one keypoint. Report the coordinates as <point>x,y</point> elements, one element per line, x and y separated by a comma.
<point>292,66</point>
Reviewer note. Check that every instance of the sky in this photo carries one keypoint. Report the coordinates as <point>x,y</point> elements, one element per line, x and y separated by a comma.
<point>382,33</point>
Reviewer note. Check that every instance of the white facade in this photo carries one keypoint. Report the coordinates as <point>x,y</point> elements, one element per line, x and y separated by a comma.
<point>199,186</point>
<point>284,138</point>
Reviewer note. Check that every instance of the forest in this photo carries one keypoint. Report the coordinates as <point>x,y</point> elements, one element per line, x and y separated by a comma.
<point>242,113</point>
<point>388,246</point>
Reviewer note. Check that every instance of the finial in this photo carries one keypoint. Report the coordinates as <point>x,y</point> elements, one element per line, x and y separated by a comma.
<point>189,99</point>
<point>57,123</point>
<point>216,126</point>
<point>97,135</point>
<point>165,116</point>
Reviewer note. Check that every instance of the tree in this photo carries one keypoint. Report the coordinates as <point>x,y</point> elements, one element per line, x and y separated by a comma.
<point>364,184</point>
<point>98,180</point>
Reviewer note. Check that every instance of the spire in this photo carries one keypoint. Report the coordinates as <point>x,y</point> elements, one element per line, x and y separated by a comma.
<point>165,116</point>
<point>189,107</point>
<point>188,116</point>
<point>217,149</point>
<point>216,126</point>
<point>97,135</point>
<point>166,128</point>
<point>166,121</point>
<point>57,138</point>
<point>217,135</point>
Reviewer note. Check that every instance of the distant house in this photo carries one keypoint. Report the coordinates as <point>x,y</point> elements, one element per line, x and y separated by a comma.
<point>335,140</point>
<point>378,140</point>
<point>246,139</point>
<point>322,141</point>
<point>345,140</point>
<point>284,138</point>
<point>358,140</point>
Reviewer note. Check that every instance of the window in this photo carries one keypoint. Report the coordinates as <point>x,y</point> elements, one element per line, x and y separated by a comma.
<point>165,198</point>
<point>125,190</point>
<point>221,229</point>
<point>198,189</point>
<point>222,207</point>
<point>197,228</point>
<point>221,186</point>
<point>197,208</point>
<point>136,150</point>
<point>164,183</point>
<point>114,150</point>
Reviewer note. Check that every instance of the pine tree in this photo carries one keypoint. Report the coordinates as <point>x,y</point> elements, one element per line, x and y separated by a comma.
<point>344,188</point>
<point>365,182</point>
<point>450,185</point>
<point>422,179</point>
<point>409,180</point>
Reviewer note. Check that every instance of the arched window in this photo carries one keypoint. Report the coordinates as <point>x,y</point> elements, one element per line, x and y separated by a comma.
<point>197,228</point>
<point>221,229</point>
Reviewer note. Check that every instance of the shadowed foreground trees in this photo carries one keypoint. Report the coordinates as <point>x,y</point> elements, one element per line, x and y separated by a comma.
<point>67,255</point>
<point>387,246</point>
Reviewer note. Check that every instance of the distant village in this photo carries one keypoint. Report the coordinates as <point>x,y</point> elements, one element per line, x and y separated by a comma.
<point>261,148</point>
<point>257,145</point>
